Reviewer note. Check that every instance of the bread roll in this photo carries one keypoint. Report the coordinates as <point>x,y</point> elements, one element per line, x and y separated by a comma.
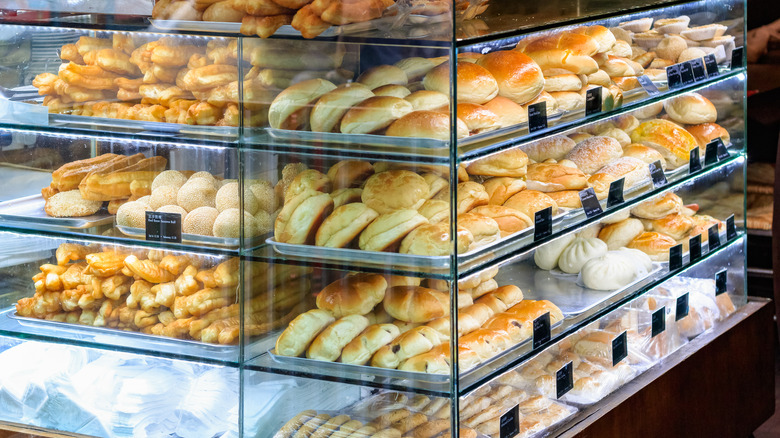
<point>309,179</point>
<point>658,207</point>
<point>563,82</point>
<point>633,170</point>
<point>416,341</point>
<point>655,245</point>
<point>349,173</point>
<point>552,177</point>
<point>674,225</point>
<point>360,349</point>
<point>476,279</point>
<point>547,255</point>
<point>435,361</point>
<point>511,162</point>
<point>499,189</point>
<point>487,343</point>
<point>301,216</point>
<point>691,108</point>
<point>554,148</point>
<point>593,153</point>
<point>387,231</point>
<point>434,240</point>
<point>416,67</point>
<point>393,190</point>
<point>392,90</point>
<point>435,211</point>
<point>477,118</point>
<point>301,331</point>
<point>373,114</point>
<point>600,34</point>
<point>564,50</point>
<point>566,198</point>
<point>426,124</point>
<point>706,132</point>
<point>596,345</point>
<point>416,304</point>
<point>644,153</point>
<point>519,78</point>
<point>574,256</point>
<point>295,100</point>
<point>529,202</point>
<point>470,194</point>
<point>668,138</point>
<point>569,101</point>
<point>425,100</point>
<point>353,294</point>
<point>619,234</point>
<point>380,75</point>
<point>331,107</point>
<point>328,344</point>
<point>484,229</point>
<point>509,113</point>
<point>529,310</point>
<point>474,83</point>
<point>345,196</point>
<point>509,221</point>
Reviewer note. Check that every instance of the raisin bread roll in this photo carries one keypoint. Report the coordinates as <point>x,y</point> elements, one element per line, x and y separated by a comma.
<point>327,345</point>
<point>360,349</point>
<point>416,341</point>
<point>301,332</point>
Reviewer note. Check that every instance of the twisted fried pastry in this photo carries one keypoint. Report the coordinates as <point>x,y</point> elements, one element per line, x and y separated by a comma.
<point>209,76</point>
<point>308,23</point>
<point>116,61</point>
<point>70,297</point>
<point>105,264</point>
<point>75,276</point>
<point>87,44</point>
<point>138,289</point>
<point>204,113</point>
<point>44,82</point>
<point>264,27</point>
<point>123,42</point>
<point>186,284</point>
<point>260,7</point>
<point>68,252</point>
<point>70,52</point>
<point>173,55</point>
<point>148,270</point>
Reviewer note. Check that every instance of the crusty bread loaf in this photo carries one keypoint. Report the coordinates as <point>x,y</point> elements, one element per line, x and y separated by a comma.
<point>353,294</point>
<point>328,344</point>
<point>387,231</point>
<point>295,339</point>
<point>360,349</point>
<point>519,78</point>
<point>593,153</point>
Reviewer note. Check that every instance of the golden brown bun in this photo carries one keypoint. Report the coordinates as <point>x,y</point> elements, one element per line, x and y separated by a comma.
<point>349,173</point>
<point>619,234</point>
<point>373,114</point>
<point>569,100</point>
<point>600,77</point>
<point>519,330</point>
<point>511,162</point>
<point>331,107</point>
<point>519,78</point>
<point>374,337</point>
<point>387,231</point>
<point>416,341</point>
<point>424,100</point>
<point>509,113</point>
<point>309,179</point>
<point>675,225</point>
<point>706,132</point>
<point>634,171</point>
<point>484,229</point>
<point>345,196</point>
<point>353,294</point>
<point>426,124</point>
<point>487,342</point>
<point>392,90</point>
<point>470,194</point>
<point>435,183</point>
<point>644,153</point>
<point>328,344</point>
<point>294,99</point>
<point>528,310</point>
<point>509,221</point>
<point>668,138</point>
<point>395,189</point>
<point>601,34</point>
<point>501,188</point>
<point>475,84</point>
<point>378,76</point>
<point>343,225</point>
<point>692,108</point>
<point>659,207</point>
<point>301,216</point>
<point>434,240</point>
<point>626,83</point>
<point>655,245</point>
<point>565,50</point>
<point>416,304</point>
<point>416,67</point>
<point>553,177</point>
<point>566,198</point>
<point>529,202</point>
<point>562,82</point>
<point>555,148</point>
<point>649,111</point>
<point>593,153</point>
<point>477,118</point>
<point>295,339</point>
<point>435,211</point>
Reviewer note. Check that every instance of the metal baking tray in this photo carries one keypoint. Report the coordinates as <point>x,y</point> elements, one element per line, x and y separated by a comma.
<point>197,239</point>
<point>140,126</point>
<point>565,290</point>
<point>111,336</point>
<point>223,27</point>
<point>30,209</point>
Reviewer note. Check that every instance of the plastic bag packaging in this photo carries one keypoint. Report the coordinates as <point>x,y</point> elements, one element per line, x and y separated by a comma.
<point>703,311</point>
<point>211,394</point>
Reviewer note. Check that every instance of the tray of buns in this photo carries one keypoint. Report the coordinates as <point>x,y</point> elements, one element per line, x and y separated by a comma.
<point>223,27</point>
<point>31,209</point>
<point>197,239</point>
<point>140,125</point>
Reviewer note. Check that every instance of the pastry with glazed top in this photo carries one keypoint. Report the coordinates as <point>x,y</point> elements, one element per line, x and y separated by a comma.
<point>475,84</point>
<point>668,138</point>
<point>519,78</point>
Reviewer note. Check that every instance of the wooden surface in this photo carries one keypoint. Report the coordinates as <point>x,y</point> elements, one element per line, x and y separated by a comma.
<point>721,384</point>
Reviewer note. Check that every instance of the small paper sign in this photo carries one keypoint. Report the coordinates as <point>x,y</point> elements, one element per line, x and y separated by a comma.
<point>163,227</point>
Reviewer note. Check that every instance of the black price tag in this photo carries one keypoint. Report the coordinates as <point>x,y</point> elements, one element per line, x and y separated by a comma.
<point>564,380</point>
<point>675,257</point>
<point>686,73</point>
<point>694,247</point>
<point>509,423</point>
<point>537,116</point>
<point>542,223</point>
<point>615,196</point>
<point>712,65</point>
<point>541,330</point>
<point>720,282</point>
<point>731,228</point>
<point>657,173</point>
<point>648,85</point>
<point>736,57</point>
<point>593,101</point>
<point>658,322</point>
<point>694,163</point>
<point>673,76</point>
<point>713,235</point>
<point>590,203</point>
<point>697,65</point>
<point>681,309</point>
<point>619,348</point>
<point>163,227</point>
<point>723,153</point>
<point>711,153</point>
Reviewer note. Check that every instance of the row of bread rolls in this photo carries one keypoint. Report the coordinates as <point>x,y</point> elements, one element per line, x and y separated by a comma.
<point>179,296</point>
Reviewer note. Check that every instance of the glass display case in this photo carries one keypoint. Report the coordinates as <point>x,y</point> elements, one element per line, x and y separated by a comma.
<point>363,219</point>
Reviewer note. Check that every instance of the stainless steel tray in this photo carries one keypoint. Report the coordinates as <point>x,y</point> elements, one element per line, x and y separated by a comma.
<point>197,239</point>
<point>30,209</point>
<point>140,126</point>
<point>111,336</point>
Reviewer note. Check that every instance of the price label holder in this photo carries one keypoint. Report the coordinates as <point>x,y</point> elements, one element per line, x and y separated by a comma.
<point>713,236</point>
<point>564,380</point>
<point>590,203</point>
<point>675,257</point>
<point>712,65</point>
<point>720,282</point>
<point>163,227</point>
<point>509,423</point>
<point>731,228</point>
<point>681,307</point>
<point>542,223</point>
<point>699,73</point>
<point>694,163</point>
<point>537,116</point>
<point>711,153</point>
<point>648,85</point>
<point>658,322</point>
<point>615,196</point>
<point>673,76</point>
<point>694,248</point>
<point>541,330</point>
<point>723,153</point>
<point>593,101</point>
<point>657,174</point>
<point>619,348</point>
<point>736,57</point>
<point>686,73</point>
